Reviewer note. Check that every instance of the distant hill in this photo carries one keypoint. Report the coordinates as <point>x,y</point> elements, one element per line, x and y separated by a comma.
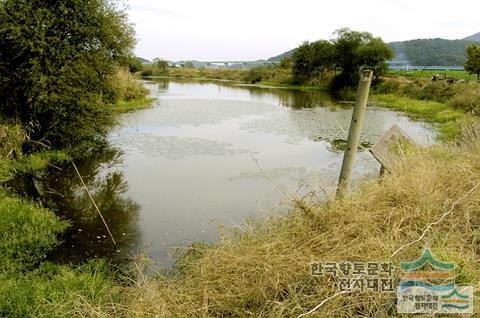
<point>428,52</point>
<point>144,61</point>
<point>424,52</point>
<point>474,38</point>
<point>281,56</point>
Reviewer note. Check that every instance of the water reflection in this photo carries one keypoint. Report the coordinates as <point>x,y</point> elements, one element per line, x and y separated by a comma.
<point>88,238</point>
<point>291,98</point>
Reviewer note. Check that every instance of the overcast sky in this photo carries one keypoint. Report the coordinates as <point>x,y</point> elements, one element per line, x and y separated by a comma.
<point>258,29</point>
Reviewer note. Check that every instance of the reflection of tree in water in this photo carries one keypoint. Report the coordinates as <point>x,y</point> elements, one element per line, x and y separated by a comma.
<point>87,238</point>
<point>163,85</point>
<point>296,99</point>
<point>291,98</point>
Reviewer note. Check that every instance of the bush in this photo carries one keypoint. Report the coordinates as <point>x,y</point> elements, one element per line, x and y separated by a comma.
<point>437,91</point>
<point>12,138</point>
<point>124,86</point>
<point>468,101</point>
<point>147,72</point>
<point>27,233</point>
<point>387,87</point>
<point>254,75</point>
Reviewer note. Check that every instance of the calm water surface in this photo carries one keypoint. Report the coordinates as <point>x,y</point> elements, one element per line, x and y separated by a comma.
<point>178,170</point>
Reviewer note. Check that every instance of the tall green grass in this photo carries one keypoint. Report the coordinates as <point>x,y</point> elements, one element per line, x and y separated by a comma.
<point>458,75</point>
<point>32,287</point>
<point>449,120</point>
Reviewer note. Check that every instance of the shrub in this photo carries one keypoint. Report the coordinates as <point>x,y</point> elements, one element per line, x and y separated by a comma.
<point>11,141</point>
<point>124,86</point>
<point>388,87</point>
<point>438,91</point>
<point>468,101</point>
<point>27,233</point>
<point>254,75</point>
<point>147,72</point>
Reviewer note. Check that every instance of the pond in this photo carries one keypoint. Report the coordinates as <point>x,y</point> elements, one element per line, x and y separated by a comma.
<point>208,154</point>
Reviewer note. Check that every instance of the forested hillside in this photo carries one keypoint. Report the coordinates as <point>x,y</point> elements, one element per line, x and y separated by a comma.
<point>475,37</point>
<point>432,51</point>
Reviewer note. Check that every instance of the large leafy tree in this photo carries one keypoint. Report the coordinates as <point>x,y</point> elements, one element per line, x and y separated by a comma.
<point>302,59</point>
<point>473,60</point>
<point>349,50</point>
<point>55,60</point>
<point>312,59</point>
<point>356,50</point>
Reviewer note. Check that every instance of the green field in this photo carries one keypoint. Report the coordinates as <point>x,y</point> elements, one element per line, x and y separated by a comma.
<point>458,75</point>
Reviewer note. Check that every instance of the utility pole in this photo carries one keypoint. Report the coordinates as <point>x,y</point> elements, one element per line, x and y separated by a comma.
<point>345,180</point>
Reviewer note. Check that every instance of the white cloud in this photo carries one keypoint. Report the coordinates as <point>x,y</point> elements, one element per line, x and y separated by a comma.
<point>255,29</point>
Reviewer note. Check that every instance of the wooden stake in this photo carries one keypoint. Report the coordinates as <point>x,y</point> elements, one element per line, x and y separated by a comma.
<point>345,180</point>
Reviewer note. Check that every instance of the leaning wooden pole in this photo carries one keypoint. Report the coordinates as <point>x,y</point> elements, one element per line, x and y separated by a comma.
<point>345,180</point>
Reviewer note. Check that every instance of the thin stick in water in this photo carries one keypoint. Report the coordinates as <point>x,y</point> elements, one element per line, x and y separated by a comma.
<point>94,204</point>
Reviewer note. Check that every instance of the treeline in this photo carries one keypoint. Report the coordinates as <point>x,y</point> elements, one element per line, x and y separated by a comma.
<point>275,74</point>
<point>431,51</point>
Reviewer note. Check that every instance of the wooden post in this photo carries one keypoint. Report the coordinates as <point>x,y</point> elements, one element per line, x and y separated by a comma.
<point>345,180</point>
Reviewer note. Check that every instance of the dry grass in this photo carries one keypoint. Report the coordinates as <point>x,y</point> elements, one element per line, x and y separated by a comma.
<point>264,271</point>
<point>11,139</point>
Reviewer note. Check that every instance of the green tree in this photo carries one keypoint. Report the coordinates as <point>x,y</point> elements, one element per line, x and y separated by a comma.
<point>286,63</point>
<point>473,60</point>
<point>189,64</point>
<point>356,50</point>
<point>161,64</point>
<point>302,59</point>
<point>55,61</point>
<point>350,50</point>
<point>323,55</point>
<point>135,65</point>
<point>373,55</point>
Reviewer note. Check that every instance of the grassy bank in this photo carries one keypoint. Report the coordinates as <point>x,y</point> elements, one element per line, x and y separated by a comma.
<point>31,287</point>
<point>449,121</point>
<point>126,106</point>
<point>457,75</point>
